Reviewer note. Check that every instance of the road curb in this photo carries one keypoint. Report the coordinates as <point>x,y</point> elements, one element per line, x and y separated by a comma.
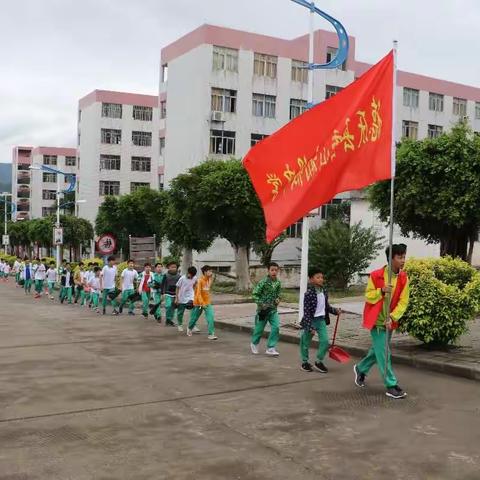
<point>453,368</point>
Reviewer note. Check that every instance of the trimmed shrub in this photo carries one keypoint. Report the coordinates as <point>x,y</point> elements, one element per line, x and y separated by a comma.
<point>444,297</point>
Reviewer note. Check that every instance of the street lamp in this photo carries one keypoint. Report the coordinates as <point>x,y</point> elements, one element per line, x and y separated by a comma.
<point>69,189</point>
<point>6,202</point>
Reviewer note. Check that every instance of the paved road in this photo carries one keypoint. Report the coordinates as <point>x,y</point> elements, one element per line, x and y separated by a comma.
<point>90,397</point>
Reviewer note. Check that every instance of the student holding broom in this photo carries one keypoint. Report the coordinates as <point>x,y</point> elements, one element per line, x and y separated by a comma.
<point>382,322</point>
<point>316,317</point>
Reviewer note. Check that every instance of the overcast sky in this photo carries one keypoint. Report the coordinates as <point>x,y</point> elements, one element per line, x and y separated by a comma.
<point>52,52</point>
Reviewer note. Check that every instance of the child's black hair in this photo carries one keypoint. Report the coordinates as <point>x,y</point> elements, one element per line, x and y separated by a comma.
<point>111,258</point>
<point>273,264</point>
<point>397,249</point>
<point>157,264</point>
<point>148,264</point>
<point>312,271</point>
<point>96,269</point>
<point>206,268</point>
<point>130,260</point>
<point>52,263</point>
<point>172,263</point>
<point>192,271</point>
<point>81,264</point>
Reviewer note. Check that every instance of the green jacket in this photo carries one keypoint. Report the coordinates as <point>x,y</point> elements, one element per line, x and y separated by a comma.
<point>267,292</point>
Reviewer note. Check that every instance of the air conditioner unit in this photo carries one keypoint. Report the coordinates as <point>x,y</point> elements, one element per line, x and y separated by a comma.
<point>218,117</point>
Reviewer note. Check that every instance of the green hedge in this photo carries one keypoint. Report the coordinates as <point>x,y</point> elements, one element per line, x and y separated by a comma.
<point>445,296</point>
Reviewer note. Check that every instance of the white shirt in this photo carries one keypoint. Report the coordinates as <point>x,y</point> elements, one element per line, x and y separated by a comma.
<point>2,266</point>
<point>16,266</point>
<point>185,286</point>
<point>51,275</point>
<point>320,311</point>
<point>6,269</point>
<point>108,274</point>
<point>40,272</point>
<point>128,277</point>
<point>94,284</point>
<point>67,278</point>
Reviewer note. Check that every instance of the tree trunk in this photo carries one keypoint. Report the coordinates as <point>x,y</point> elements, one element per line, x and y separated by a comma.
<point>187,259</point>
<point>455,245</point>
<point>473,238</point>
<point>241,267</point>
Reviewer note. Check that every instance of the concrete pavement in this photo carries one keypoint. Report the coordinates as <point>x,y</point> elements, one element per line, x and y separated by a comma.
<point>91,397</point>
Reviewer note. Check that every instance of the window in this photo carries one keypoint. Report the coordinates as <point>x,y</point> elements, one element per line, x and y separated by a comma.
<point>224,100</point>
<point>142,113</point>
<point>331,54</point>
<point>459,106</point>
<point>136,185</point>
<point>164,73</point>
<point>70,161</point>
<point>435,102</point>
<point>162,146</point>
<point>109,187</point>
<point>49,194</point>
<point>326,208</point>
<point>434,131</point>
<point>111,110</point>
<point>263,105</point>
<point>141,164</point>
<point>256,137</point>
<point>222,142</point>
<point>295,230</point>
<point>49,177</point>
<point>265,65</point>
<point>331,90</point>
<point>299,71</point>
<point>109,162</point>
<point>297,107</point>
<point>47,211</point>
<point>68,178</point>
<point>410,129</point>
<point>111,136</point>
<point>410,97</point>
<point>142,139</point>
<point>477,110</point>
<point>49,159</point>
<point>225,59</point>
<point>163,109</point>
<point>161,182</point>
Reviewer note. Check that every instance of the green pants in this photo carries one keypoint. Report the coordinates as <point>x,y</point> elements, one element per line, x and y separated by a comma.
<point>145,302</point>
<point>95,297</point>
<point>78,293</point>
<point>180,312</point>
<point>113,302</point>
<point>157,300</point>
<point>376,354</point>
<point>17,277</point>
<point>320,327</point>
<point>274,320</point>
<point>169,308</point>
<point>209,316</point>
<point>39,286</point>
<point>66,293</point>
<point>28,285</point>
<point>124,300</point>
<point>51,287</point>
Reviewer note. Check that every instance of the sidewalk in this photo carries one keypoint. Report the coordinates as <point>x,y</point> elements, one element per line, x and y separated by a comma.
<point>462,360</point>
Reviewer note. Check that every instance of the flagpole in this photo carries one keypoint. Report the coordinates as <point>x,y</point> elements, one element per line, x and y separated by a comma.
<point>392,198</point>
<point>306,219</point>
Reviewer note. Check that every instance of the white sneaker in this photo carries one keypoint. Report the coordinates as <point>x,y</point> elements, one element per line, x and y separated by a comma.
<point>180,328</point>
<point>272,352</point>
<point>189,332</point>
<point>196,329</point>
<point>254,349</point>
<point>212,337</point>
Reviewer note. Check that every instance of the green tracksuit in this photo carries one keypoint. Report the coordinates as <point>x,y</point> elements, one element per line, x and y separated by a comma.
<point>209,317</point>
<point>320,327</point>
<point>124,300</point>
<point>156,278</point>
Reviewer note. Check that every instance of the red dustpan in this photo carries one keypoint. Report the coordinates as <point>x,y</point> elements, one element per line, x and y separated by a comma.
<point>337,353</point>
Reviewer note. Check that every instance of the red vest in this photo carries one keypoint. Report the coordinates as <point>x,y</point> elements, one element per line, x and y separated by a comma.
<point>371,312</point>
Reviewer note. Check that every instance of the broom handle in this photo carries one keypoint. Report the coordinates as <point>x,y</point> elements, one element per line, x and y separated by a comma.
<point>335,331</point>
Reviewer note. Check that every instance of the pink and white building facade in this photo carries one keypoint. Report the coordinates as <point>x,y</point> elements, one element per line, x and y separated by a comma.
<point>222,90</point>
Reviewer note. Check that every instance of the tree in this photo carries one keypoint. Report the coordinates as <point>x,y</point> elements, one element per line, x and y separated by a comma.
<point>437,192</point>
<point>76,232</point>
<point>342,251</point>
<point>232,211</point>
<point>265,250</point>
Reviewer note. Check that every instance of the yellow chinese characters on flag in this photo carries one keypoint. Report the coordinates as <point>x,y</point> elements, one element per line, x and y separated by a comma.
<point>341,144</point>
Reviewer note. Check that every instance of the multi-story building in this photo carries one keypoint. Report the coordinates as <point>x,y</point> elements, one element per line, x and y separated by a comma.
<point>119,147</point>
<point>35,191</point>
<point>223,90</point>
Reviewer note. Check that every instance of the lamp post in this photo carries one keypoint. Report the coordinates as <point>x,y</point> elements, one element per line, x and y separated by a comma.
<point>6,202</point>
<point>69,189</point>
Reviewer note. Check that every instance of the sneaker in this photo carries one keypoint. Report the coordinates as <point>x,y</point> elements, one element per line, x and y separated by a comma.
<point>272,352</point>
<point>359,377</point>
<point>97,310</point>
<point>120,309</point>
<point>104,311</point>
<point>196,329</point>
<point>51,297</point>
<point>180,328</point>
<point>145,315</point>
<point>395,392</point>
<point>212,337</point>
<point>254,349</point>
<point>169,324</point>
<point>131,313</point>
<point>115,311</point>
<point>306,367</point>
<point>320,367</point>
<point>189,332</point>
<point>159,320</point>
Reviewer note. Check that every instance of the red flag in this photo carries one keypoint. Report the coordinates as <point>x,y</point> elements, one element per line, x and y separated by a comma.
<point>341,144</point>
